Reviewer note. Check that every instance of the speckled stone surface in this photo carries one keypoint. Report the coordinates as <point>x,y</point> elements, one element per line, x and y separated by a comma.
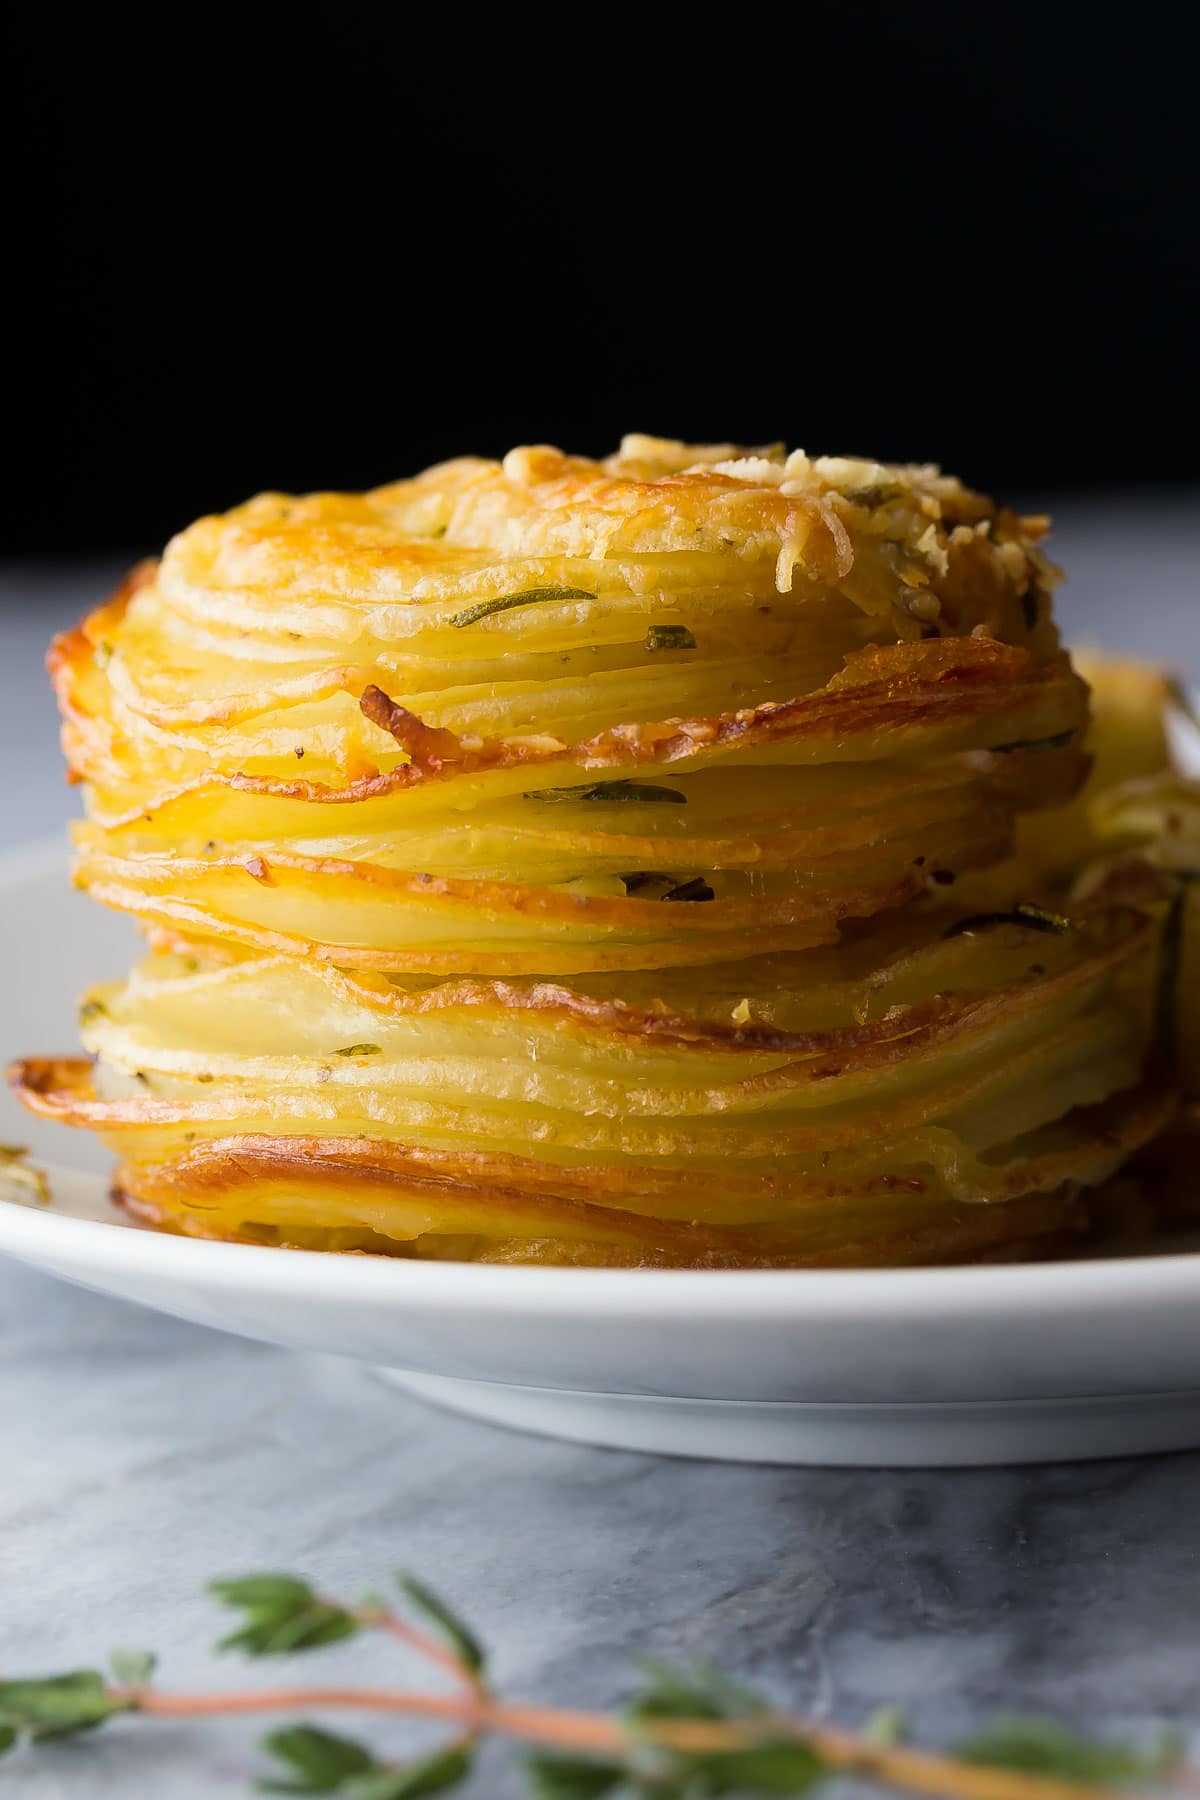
<point>142,1455</point>
<point>139,1456</point>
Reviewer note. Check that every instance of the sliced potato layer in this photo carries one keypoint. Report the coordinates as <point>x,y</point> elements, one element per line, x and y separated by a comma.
<point>663,860</point>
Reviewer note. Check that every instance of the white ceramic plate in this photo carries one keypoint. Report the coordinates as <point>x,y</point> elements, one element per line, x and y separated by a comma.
<point>904,1367</point>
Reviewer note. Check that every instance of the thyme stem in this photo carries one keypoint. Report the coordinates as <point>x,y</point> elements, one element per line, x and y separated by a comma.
<point>917,1771</point>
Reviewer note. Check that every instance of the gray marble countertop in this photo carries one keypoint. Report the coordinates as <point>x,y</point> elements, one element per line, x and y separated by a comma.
<point>142,1455</point>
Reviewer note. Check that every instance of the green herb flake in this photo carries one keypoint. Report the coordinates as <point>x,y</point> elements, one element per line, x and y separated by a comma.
<point>638,879</point>
<point>1057,742</point>
<point>613,793</point>
<point>360,1050</point>
<point>102,654</point>
<point>92,1009</point>
<point>669,637</point>
<point>1035,918</point>
<point>695,889</point>
<point>505,602</point>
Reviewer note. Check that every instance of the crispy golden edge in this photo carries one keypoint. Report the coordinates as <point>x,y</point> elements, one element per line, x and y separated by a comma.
<point>212,1174</point>
<point>893,1036</point>
<point>939,684</point>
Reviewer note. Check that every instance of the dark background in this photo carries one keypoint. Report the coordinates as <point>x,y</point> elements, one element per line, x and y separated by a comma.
<point>253,247</point>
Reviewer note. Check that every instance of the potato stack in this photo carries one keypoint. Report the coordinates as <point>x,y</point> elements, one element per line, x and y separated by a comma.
<point>560,861</point>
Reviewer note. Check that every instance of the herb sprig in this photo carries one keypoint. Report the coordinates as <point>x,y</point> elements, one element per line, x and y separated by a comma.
<point>685,1735</point>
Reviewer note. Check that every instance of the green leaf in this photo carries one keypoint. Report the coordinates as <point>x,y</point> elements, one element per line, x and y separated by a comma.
<point>284,1634</point>
<point>669,637</point>
<point>608,793</point>
<point>283,1615</point>
<point>133,1668</point>
<point>321,1760</point>
<point>8,1738</point>
<point>571,1777</point>
<point>526,597</point>
<point>261,1590</point>
<point>703,1692</point>
<point>431,1775</point>
<point>886,1725</point>
<point>460,1638</point>
<point>782,1767</point>
<point>360,1050</point>
<point>58,1704</point>
<point>1042,1747</point>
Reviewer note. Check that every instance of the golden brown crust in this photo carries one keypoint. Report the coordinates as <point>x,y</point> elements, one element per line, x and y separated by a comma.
<point>384,770</point>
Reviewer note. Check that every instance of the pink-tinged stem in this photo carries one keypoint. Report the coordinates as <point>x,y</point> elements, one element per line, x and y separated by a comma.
<point>919,1771</point>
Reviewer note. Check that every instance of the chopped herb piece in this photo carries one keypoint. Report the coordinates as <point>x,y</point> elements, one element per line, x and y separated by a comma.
<point>695,889</point>
<point>1057,742</point>
<point>92,1009</point>
<point>504,603</point>
<point>360,1050</point>
<point>614,792</point>
<point>669,637</point>
<point>644,878</point>
<point>102,654</point>
<point>1036,918</point>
